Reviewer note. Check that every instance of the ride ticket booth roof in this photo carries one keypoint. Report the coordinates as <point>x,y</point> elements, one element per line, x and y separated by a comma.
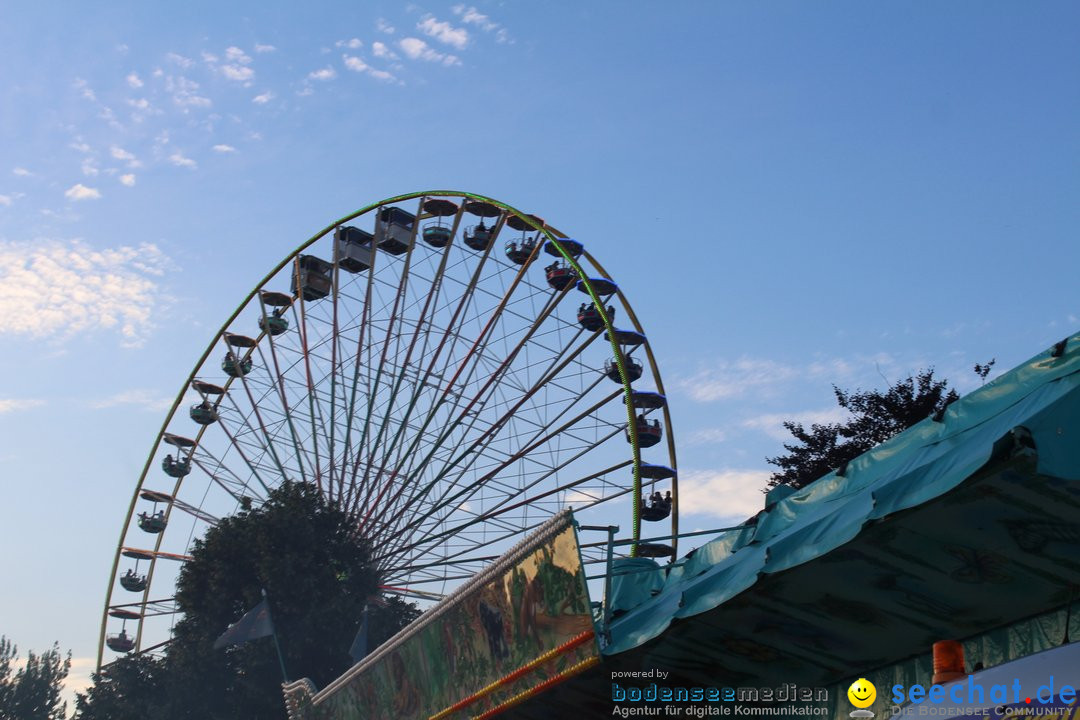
<point>961,525</point>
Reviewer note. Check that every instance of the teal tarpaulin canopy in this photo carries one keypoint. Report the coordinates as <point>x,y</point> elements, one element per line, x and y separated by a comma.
<point>955,526</point>
<point>964,527</point>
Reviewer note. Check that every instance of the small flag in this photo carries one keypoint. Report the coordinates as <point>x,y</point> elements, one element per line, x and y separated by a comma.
<point>255,624</point>
<point>358,651</point>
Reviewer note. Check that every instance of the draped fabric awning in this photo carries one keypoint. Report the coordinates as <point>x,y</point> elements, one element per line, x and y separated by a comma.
<point>949,529</point>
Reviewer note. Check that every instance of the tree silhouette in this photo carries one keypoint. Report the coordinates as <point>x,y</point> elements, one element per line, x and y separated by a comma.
<point>33,691</point>
<point>318,575</point>
<point>876,415</point>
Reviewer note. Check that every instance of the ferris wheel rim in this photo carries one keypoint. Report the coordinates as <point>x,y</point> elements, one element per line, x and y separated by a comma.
<point>550,236</point>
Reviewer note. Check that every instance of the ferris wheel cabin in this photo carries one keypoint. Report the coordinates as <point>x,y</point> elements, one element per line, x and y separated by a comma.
<point>153,524</point>
<point>352,247</point>
<point>478,237</point>
<point>438,234</point>
<point>132,581</point>
<point>590,318</point>
<point>560,275</point>
<point>312,276</point>
<point>519,251</point>
<point>121,642</point>
<point>394,230</point>
<point>649,432</point>
<point>634,369</point>
<point>273,323</point>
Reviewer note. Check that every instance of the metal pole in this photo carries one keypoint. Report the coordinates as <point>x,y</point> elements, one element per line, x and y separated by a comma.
<point>273,632</point>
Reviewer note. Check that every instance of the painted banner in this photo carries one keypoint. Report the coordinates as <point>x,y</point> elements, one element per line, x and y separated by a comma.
<point>521,625</point>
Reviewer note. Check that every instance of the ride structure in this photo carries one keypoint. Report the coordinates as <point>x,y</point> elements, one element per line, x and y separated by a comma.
<point>445,392</point>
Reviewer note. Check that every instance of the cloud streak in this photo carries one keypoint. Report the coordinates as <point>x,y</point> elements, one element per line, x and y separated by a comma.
<point>772,424</point>
<point>417,49</point>
<point>10,405</point>
<point>729,379</point>
<point>145,399</point>
<point>444,32</point>
<point>56,289</point>
<point>732,495</point>
<point>78,191</point>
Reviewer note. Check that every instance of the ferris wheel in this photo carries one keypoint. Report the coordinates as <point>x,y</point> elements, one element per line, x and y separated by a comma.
<point>448,369</point>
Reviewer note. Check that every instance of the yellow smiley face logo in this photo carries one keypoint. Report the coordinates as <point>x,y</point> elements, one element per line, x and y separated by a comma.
<point>862,693</point>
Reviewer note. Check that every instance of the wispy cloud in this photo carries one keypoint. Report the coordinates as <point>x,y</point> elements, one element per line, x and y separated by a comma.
<point>145,399</point>
<point>84,89</point>
<point>58,288</point>
<point>9,405</point>
<point>260,48</point>
<point>772,424</point>
<point>352,44</point>
<point>326,73</point>
<point>78,191</point>
<point>357,65</point>
<point>185,92</point>
<point>179,60</point>
<point>224,149</point>
<point>444,32</point>
<point>732,495</point>
<point>236,55</point>
<point>128,180</point>
<point>728,379</point>
<point>180,160</point>
<point>263,98</point>
<point>239,73</point>
<point>380,50</point>
<point>5,200</point>
<point>384,27</point>
<point>133,80</point>
<point>417,49</point>
<point>21,172</point>
<point>119,153</point>
<point>474,17</point>
<point>78,678</point>
<point>236,65</point>
<point>471,16</point>
<point>354,63</point>
<point>705,436</point>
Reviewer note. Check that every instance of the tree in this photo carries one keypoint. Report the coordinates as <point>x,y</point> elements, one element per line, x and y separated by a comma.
<point>33,691</point>
<point>132,688</point>
<point>875,417</point>
<point>318,574</point>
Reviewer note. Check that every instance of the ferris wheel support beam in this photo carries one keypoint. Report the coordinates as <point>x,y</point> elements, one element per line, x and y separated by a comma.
<point>461,366</point>
<point>336,290</point>
<point>481,443</point>
<point>421,384</point>
<point>495,541</point>
<point>268,445</point>
<point>302,330</point>
<point>372,393</point>
<point>465,300</point>
<point>356,380</point>
<point>527,501</point>
<point>452,499</point>
<point>386,450</point>
<point>394,500</point>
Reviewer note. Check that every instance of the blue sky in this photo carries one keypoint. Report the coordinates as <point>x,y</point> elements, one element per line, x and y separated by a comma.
<point>791,195</point>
